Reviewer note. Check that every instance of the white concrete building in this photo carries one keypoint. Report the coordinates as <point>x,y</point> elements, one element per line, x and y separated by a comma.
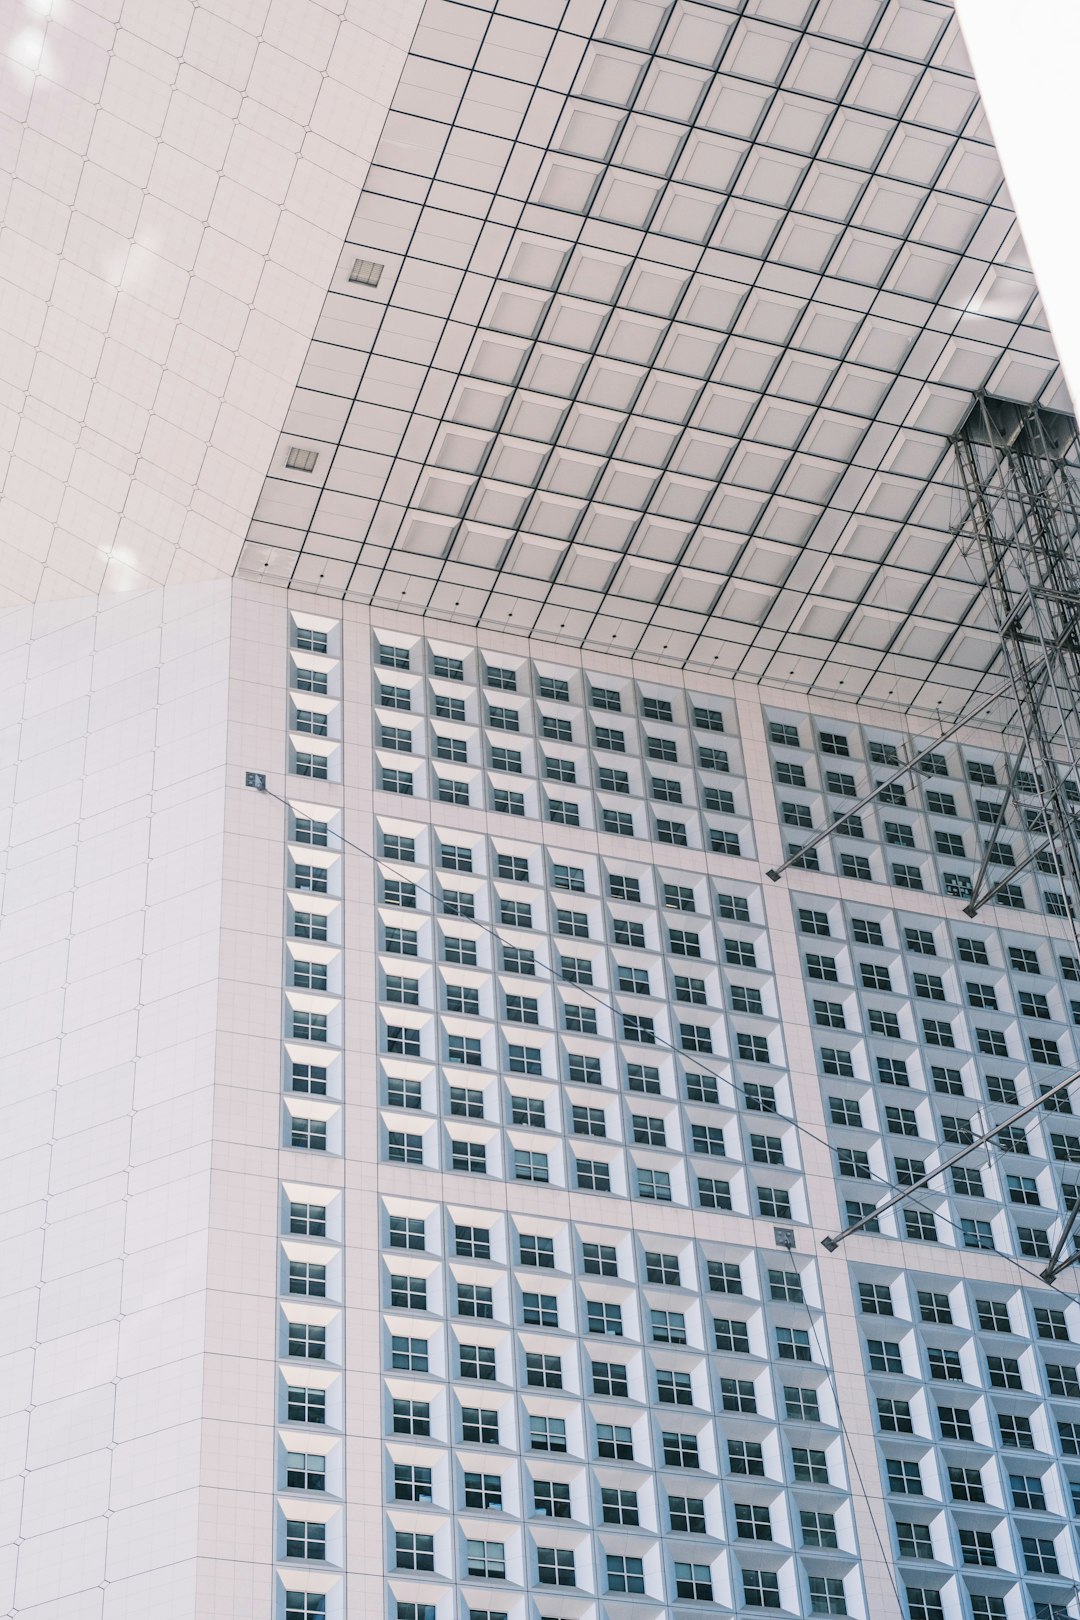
<point>518,437</point>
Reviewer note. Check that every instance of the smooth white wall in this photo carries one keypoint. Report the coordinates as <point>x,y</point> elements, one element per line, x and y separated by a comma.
<point>113,732</point>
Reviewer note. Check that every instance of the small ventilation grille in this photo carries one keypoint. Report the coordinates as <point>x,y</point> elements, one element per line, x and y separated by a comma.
<point>366,272</point>
<point>301,460</point>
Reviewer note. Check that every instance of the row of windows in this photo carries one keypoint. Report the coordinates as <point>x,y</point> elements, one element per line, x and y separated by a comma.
<point>948,1364</point>
<point>640,1442</point>
<point>942,986</point>
<point>835,741</point>
<point>639,1029</point>
<point>622,1573</point>
<point>603,1175</point>
<point>305,1275</point>
<point>920,1603</point>
<point>542,1005</point>
<point>943,1302</point>
<point>578,1068</point>
<point>922,1539</point>
<point>607,696</point>
<point>459,851</point>
<point>926,937</point>
<point>675,1267</point>
<point>689,1384</point>
<point>567,923</point>
<point>951,804</point>
<point>951,844</point>
<point>396,738</point>
<point>636,1502</point>
<point>568,813</point>
<point>594,1119</point>
<point>676,897</point>
<point>956,1078</point>
<point>955,1032</point>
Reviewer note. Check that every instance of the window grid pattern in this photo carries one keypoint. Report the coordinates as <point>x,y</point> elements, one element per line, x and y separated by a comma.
<point>670,774</point>
<point>978,1413</point>
<point>632,1397</point>
<point>664,1080</point>
<point>927,832</point>
<point>555,1362</point>
<point>930,1044</point>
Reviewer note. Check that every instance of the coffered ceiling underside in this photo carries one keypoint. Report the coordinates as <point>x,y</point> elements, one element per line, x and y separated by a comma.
<point>676,306</point>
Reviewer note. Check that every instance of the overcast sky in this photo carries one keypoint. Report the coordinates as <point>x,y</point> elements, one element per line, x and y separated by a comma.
<point>1026,55</point>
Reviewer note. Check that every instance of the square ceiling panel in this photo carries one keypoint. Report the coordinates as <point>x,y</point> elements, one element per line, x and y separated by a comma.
<point>665,360</point>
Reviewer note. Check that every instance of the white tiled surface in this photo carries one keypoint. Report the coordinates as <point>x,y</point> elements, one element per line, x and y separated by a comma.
<point>113,733</point>
<point>679,305</point>
<point>176,180</point>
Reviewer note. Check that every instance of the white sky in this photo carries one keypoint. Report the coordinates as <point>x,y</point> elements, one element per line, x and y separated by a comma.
<point>1026,56</point>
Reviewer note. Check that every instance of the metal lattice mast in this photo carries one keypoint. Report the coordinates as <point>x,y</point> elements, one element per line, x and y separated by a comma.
<point>1020,474</point>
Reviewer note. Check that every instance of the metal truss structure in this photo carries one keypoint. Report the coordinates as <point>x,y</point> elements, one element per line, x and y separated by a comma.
<point>1019,470</point>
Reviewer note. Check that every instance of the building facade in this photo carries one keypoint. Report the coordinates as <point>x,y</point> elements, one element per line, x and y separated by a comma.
<point>431,1194</point>
<point>425,1106</point>
<point>618,1085</point>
